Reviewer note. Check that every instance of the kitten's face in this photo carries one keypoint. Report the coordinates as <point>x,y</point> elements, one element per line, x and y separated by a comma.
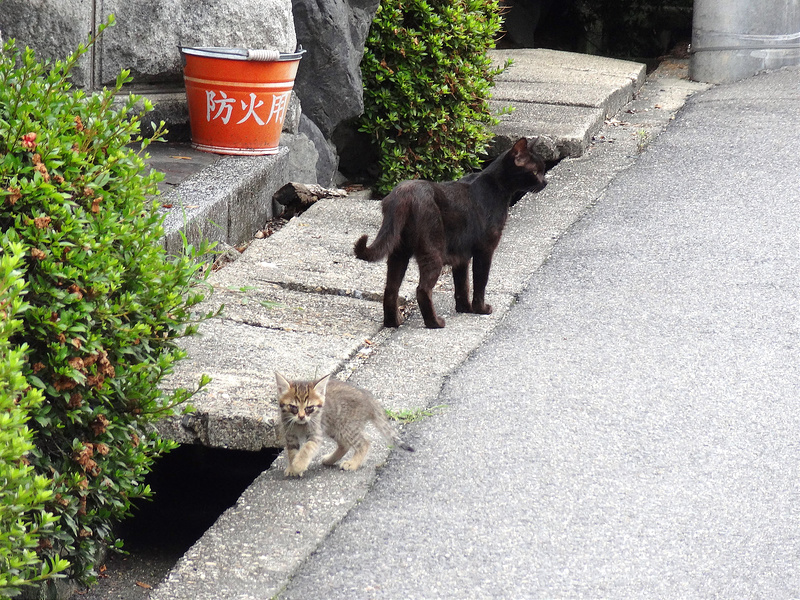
<point>299,406</point>
<point>301,401</point>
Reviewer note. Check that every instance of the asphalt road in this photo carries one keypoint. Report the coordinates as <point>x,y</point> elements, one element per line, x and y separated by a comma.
<point>631,429</point>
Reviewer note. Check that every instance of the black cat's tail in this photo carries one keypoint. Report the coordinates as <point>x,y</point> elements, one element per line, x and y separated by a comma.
<point>381,246</point>
<point>363,252</point>
<point>396,211</point>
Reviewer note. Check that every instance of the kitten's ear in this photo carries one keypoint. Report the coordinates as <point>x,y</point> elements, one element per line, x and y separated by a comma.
<point>320,385</point>
<point>283,384</point>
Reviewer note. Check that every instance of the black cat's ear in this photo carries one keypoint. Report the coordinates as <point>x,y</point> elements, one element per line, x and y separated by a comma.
<point>283,384</point>
<point>519,151</point>
<point>520,145</point>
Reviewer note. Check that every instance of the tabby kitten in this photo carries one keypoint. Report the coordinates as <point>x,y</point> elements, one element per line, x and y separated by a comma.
<point>339,410</point>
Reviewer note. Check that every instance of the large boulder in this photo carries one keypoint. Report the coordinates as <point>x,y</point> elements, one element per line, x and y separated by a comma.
<point>329,78</point>
<point>150,32</point>
<point>327,160</point>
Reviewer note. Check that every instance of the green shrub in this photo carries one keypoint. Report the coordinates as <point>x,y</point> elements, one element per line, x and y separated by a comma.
<point>23,494</point>
<point>427,80</point>
<point>106,303</point>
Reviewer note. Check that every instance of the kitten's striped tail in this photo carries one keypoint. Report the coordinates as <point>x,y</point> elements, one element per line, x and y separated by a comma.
<point>404,446</point>
<point>387,431</point>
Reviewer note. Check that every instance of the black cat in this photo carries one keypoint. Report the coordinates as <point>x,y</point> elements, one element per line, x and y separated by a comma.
<point>450,224</point>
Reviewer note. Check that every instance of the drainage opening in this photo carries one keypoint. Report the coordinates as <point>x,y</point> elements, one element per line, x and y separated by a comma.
<point>193,485</point>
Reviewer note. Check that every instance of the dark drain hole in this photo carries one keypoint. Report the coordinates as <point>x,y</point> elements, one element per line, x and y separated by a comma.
<point>193,485</point>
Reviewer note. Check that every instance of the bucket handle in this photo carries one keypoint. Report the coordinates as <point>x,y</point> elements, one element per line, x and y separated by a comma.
<point>263,55</point>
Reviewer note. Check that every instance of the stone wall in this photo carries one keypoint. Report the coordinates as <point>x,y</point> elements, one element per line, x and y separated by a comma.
<point>329,78</point>
<point>147,34</point>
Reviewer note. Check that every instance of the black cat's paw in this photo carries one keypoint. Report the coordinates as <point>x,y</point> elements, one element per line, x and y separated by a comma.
<point>392,321</point>
<point>463,307</point>
<point>436,323</point>
<point>482,309</point>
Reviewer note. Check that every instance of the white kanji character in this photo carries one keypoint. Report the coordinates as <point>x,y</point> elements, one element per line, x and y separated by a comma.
<point>223,105</point>
<point>278,106</point>
<point>251,110</point>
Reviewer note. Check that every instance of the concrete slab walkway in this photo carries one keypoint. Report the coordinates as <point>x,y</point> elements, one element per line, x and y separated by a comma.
<point>560,98</point>
<point>630,429</point>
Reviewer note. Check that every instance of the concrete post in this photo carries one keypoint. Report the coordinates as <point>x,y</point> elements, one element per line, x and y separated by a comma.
<point>734,39</point>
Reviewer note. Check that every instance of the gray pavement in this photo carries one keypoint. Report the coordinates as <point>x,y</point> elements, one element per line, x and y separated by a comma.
<point>630,429</point>
<point>298,302</point>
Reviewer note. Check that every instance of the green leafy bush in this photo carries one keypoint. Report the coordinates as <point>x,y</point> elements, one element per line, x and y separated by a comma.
<point>427,81</point>
<point>23,493</point>
<point>106,303</point>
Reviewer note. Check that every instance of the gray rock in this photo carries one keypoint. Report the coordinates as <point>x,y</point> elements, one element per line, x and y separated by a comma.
<point>52,28</point>
<point>149,32</point>
<point>327,161</point>
<point>291,123</point>
<point>329,79</point>
<point>303,157</point>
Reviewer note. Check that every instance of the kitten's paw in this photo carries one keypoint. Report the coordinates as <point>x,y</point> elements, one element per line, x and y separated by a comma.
<point>291,472</point>
<point>350,465</point>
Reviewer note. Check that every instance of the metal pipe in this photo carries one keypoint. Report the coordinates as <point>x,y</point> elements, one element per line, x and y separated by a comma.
<point>734,39</point>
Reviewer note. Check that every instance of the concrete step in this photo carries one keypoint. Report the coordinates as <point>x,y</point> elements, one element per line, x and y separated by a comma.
<point>227,200</point>
<point>298,302</point>
<point>561,98</point>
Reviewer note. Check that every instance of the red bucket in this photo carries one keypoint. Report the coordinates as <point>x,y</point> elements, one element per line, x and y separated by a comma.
<point>238,98</point>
